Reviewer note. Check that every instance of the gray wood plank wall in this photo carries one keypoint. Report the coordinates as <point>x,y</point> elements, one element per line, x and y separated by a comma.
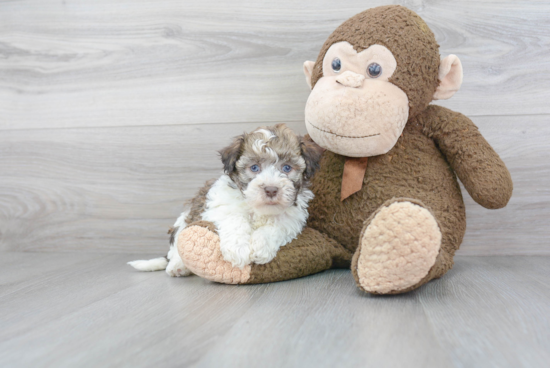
<point>111,111</point>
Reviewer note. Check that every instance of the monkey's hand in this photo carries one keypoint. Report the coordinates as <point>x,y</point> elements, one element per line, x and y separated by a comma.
<point>476,163</point>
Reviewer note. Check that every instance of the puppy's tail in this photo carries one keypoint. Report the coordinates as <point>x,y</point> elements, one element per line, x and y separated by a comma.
<point>155,264</point>
<point>159,264</point>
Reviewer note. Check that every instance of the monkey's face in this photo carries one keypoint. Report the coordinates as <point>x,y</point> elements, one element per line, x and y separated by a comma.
<point>353,109</point>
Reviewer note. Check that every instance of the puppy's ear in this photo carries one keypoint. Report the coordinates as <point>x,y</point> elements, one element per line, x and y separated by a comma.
<point>311,152</point>
<point>230,154</point>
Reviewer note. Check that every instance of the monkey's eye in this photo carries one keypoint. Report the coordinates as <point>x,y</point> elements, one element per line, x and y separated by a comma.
<point>255,168</point>
<point>287,168</point>
<point>336,65</point>
<point>374,70</point>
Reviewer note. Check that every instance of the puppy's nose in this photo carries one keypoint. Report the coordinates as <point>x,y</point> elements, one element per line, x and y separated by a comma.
<point>350,79</point>
<point>271,191</point>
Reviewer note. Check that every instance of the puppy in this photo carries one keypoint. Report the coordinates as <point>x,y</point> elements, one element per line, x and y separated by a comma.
<point>258,205</point>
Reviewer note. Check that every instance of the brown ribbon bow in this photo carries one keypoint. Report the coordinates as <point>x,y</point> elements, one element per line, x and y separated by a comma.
<point>352,179</point>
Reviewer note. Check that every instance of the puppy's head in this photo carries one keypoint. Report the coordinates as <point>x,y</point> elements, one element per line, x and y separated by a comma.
<point>271,166</point>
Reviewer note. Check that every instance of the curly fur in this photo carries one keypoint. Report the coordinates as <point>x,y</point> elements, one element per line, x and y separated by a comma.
<point>255,212</point>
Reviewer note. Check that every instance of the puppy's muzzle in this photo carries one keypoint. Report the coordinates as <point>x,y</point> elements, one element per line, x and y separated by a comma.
<point>271,192</point>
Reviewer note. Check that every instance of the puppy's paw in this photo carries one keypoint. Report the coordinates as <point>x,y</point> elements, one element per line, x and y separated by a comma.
<point>238,254</point>
<point>262,251</point>
<point>176,268</point>
<point>262,256</point>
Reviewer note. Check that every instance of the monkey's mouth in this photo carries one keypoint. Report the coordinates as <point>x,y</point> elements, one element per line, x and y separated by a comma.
<point>343,136</point>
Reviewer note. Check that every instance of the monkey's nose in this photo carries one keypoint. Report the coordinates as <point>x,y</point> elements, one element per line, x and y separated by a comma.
<point>350,79</point>
<point>271,191</point>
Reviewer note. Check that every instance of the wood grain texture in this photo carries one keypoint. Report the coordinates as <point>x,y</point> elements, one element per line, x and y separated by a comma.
<point>21,270</point>
<point>100,63</point>
<point>111,113</point>
<point>487,311</point>
<point>499,306</point>
<point>119,189</point>
<point>110,189</point>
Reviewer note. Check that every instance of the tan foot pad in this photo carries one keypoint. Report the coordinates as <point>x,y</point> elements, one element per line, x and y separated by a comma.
<point>398,248</point>
<point>199,249</point>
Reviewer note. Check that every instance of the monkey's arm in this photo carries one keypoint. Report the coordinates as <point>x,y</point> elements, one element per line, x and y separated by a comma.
<point>476,163</point>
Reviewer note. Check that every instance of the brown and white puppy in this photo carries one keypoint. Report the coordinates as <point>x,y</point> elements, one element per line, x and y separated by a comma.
<point>258,205</point>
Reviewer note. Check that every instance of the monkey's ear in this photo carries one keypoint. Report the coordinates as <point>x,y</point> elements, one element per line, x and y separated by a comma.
<point>230,154</point>
<point>311,152</point>
<point>308,71</point>
<point>450,77</point>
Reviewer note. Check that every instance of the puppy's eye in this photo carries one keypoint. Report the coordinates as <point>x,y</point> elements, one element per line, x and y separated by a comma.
<point>254,168</point>
<point>287,168</point>
<point>374,70</point>
<point>336,65</point>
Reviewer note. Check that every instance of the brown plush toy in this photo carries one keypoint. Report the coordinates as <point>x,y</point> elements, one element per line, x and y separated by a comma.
<point>397,217</point>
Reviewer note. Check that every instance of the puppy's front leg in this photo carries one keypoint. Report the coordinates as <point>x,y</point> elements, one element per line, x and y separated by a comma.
<point>235,234</point>
<point>265,243</point>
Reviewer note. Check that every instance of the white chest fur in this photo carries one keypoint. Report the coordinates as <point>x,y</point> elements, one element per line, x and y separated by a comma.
<point>246,236</point>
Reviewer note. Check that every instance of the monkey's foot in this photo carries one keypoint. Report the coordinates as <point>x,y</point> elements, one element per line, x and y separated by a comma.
<point>199,248</point>
<point>397,248</point>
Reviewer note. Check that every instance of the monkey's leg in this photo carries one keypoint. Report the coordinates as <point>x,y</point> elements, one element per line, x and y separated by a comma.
<point>311,252</point>
<point>400,249</point>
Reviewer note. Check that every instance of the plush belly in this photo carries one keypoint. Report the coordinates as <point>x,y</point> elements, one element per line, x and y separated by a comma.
<point>413,168</point>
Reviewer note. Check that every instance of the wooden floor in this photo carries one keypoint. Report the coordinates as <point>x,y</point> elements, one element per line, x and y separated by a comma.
<point>91,310</point>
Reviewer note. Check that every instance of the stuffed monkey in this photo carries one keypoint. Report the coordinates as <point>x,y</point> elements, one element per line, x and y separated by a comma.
<point>387,201</point>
